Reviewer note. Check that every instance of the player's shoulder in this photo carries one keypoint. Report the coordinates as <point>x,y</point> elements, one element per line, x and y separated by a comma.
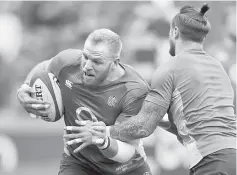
<point>166,68</point>
<point>164,73</point>
<point>64,59</point>
<point>183,59</point>
<point>134,83</point>
<point>69,56</point>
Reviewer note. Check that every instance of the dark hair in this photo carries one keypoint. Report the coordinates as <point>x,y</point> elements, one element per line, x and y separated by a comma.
<point>192,23</point>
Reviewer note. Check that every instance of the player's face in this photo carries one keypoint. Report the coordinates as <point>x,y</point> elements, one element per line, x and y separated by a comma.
<point>172,41</point>
<point>96,64</point>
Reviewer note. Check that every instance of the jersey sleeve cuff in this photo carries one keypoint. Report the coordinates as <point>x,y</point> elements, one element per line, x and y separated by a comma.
<point>156,98</point>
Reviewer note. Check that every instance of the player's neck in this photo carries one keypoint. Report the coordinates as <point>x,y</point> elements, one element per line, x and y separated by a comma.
<point>116,73</point>
<point>182,46</point>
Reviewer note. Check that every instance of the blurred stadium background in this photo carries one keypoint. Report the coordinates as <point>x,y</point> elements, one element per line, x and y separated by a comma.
<point>31,32</point>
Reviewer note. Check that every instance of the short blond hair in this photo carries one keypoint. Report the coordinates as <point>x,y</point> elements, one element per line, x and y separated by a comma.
<point>108,37</point>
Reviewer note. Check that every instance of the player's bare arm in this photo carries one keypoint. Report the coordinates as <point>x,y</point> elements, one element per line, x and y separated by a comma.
<point>141,125</point>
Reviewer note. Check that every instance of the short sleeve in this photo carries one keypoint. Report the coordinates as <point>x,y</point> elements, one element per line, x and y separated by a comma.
<point>133,101</point>
<point>63,59</point>
<point>161,87</point>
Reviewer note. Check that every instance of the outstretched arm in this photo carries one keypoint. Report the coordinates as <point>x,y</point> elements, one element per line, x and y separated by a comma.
<point>154,108</point>
<point>141,125</point>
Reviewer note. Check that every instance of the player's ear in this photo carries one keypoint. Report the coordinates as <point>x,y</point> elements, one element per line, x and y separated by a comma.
<point>175,32</point>
<point>115,63</point>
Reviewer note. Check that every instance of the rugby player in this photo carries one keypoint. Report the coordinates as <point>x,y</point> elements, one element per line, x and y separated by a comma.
<point>94,82</point>
<point>196,92</point>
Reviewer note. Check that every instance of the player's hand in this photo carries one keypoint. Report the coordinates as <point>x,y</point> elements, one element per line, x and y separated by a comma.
<point>96,128</point>
<point>30,104</point>
<point>81,135</point>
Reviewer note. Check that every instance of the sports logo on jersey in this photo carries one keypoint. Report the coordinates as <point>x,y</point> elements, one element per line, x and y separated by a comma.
<point>112,101</point>
<point>68,84</point>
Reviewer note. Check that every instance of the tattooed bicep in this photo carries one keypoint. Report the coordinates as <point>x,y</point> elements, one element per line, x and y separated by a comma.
<point>153,111</point>
<point>141,125</point>
<point>151,114</point>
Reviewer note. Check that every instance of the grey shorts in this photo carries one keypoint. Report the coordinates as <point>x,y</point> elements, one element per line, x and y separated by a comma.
<point>222,162</point>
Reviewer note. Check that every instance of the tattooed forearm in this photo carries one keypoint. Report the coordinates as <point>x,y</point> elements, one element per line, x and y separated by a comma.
<point>141,125</point>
